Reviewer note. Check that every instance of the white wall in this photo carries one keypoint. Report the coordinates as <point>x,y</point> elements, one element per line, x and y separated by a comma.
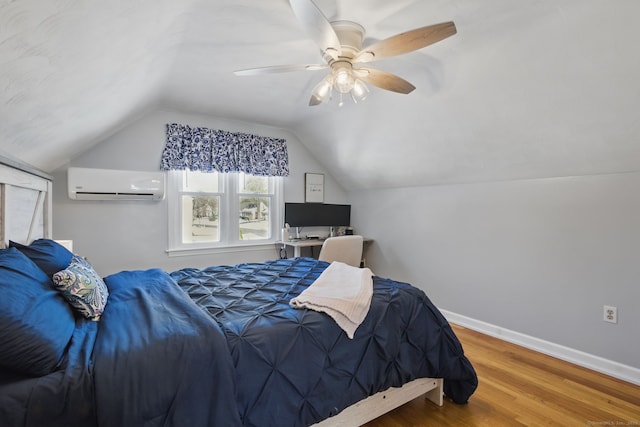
<point>119,235</point>
<point>540,257</point>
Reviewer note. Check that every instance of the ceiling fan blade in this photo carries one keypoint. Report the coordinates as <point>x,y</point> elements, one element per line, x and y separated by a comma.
<point>279,69</point>
<point>406,42</point>
<point>384,80</point>
<point>317,26</point>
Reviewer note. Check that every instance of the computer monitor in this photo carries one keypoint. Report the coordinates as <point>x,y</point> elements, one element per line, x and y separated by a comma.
<point>317,215</point>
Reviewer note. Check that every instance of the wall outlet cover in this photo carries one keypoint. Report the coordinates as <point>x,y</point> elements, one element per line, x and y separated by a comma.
<point>610,314</point>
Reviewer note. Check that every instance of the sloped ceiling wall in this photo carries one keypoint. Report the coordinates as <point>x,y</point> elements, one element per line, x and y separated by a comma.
<point>526,89</point>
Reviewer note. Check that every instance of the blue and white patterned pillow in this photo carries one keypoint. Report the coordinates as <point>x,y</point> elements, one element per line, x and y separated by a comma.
<point>83,288</point>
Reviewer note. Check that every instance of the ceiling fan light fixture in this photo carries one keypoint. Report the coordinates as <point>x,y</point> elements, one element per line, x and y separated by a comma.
<point>322,91</point>
<point>343,77</point>
<point>360,91</point>
<point>343,81</point>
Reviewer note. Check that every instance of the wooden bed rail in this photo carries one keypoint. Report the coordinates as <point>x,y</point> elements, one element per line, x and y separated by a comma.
<point>385,401</point>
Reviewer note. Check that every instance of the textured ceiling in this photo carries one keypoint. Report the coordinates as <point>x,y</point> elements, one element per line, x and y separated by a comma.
<point>526,89</point>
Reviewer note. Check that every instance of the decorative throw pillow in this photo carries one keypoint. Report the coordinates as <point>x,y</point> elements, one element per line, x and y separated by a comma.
<point>36,323</point>
<point>48,254</point>
<point>82,287</point>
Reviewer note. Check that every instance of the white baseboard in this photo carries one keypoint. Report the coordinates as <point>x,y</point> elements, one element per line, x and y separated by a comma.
<point>580,358</point>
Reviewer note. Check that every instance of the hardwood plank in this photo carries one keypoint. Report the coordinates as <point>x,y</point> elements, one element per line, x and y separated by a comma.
<point>521,387</point>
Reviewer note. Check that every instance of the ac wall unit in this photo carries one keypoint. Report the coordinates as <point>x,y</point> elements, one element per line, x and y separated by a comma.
<point>111,184</point>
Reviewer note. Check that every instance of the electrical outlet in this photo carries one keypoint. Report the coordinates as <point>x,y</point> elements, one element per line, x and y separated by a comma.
<point>610,314</point>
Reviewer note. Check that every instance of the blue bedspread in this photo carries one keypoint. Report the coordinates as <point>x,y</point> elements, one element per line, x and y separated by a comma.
<point>154,359</point>
<point>297,367</point>
<point>158,360</point>
<point>222,347</point>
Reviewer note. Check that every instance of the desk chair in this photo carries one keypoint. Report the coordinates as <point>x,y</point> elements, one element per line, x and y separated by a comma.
<point>347,249</point>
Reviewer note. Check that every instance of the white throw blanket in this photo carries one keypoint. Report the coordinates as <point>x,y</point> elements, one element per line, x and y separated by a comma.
<point>341,291</point>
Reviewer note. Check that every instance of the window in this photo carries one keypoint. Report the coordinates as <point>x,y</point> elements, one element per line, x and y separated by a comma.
<point>217,210</point>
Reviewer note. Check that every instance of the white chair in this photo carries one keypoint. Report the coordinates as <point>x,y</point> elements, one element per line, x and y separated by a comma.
<point>347,249</point>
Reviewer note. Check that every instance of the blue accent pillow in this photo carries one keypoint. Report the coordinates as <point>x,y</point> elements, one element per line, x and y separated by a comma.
<point>36,323</point>
<point>82,287</point>
<point>48,254</point>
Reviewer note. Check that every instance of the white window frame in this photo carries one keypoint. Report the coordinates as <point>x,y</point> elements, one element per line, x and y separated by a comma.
<point>228,217</point>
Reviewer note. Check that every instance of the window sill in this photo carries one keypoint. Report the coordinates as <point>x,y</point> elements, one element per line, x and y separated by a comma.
<point>180,252</point>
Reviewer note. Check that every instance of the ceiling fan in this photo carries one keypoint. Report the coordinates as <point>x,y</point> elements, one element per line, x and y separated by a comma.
<point>340,44</point>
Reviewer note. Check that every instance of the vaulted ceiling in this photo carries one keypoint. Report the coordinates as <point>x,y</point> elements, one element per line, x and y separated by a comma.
<point>526,89</point>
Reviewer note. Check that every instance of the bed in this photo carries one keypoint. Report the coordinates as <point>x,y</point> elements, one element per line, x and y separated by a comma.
<point>220,346</point>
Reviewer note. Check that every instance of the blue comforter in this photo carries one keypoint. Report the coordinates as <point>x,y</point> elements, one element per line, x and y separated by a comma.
<point>158,360</point>
<point>228,350</point>
<point>297,367</point>
<point>154,359</point>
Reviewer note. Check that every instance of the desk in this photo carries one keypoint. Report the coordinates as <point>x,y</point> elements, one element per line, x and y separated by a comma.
<point>298,244</point>
<point>309,243</point>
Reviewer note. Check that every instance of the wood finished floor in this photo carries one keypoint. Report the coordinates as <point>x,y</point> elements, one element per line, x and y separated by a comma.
<point>520,387</point>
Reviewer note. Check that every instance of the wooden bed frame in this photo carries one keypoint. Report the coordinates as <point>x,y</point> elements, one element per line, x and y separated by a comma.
<point>25,215</point>
<point>380,403</point>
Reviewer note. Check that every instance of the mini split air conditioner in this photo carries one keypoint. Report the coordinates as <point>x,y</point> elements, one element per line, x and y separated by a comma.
<point>110,184</point>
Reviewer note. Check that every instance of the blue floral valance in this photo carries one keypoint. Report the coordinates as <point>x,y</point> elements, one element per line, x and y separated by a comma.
<point>211,150</point>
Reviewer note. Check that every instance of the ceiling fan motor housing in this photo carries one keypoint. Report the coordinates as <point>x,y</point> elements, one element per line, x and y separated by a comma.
<point>350,35</point>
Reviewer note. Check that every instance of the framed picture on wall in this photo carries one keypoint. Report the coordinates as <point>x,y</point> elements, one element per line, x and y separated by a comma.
<point>314,188</point>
